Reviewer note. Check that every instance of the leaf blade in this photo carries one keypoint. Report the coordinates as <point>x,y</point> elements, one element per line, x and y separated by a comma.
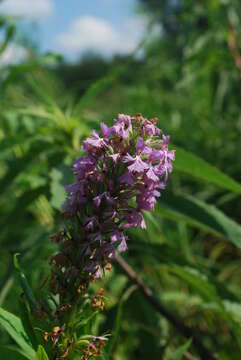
<point>12,353</point>
<point>200,215</point>
<point>197,167</point>
<point>41,354</point>
<point>13,325</point>
<point>178,354</point>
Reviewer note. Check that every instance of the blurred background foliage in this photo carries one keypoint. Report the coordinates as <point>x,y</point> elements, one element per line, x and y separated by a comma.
<point>188,74</point>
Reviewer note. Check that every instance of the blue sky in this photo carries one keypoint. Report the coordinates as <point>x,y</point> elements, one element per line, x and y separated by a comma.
<point>73,27</point>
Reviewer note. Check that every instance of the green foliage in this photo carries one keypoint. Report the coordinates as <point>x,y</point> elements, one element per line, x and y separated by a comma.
<point>13,325</point>
<point>193,165</point>
<point>41,354</point>
<point>25,285</point>
<point>12,353</point>
<point>201,215</point>
<point>179,353</point>
<point>190,252</point>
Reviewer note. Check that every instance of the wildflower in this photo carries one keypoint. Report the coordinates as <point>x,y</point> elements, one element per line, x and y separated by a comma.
<point>122,246</point>
<point>115,157</point>
<point>140,144</point>
<point>120,174</point>
<point>139,166</point>
<point>150,174</point>
<point>95,141</point>
<point>127,178</point>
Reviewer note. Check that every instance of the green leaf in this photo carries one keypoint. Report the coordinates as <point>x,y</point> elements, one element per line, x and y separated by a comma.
<point>117,326</point>
<point>25,285</point>
<point>41,354</point>
<point>26,321</point>
<point>199,215</point>
<point>201,169</point>
<point>178,354</point>
<point>13,325</point>
<point>198,282</point>
<point>16,166</point>
<point>12,353</point>
<point>20,207</point>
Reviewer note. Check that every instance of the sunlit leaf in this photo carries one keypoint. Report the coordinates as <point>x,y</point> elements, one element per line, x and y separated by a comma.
<point>41,354</point>
<point>200,215</point>
<point>178,354</point>
<point>195,166</point>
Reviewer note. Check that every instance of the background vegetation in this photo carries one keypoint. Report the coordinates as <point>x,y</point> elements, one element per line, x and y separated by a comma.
<point>188,75</point>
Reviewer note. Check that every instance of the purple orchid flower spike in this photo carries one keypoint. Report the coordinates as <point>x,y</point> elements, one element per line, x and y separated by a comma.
<point>130,160</point>
<point>120,175</point>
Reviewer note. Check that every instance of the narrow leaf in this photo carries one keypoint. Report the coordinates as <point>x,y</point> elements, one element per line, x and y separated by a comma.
<point>12,353</point>
<point>116,330</point>
<point>198,282</point>
<point>201,169</point>
<point>25,285</point>
<point>199,215</point>
<point>41,354</point>
<point>178,354</point>
<point>13,325</point>
<point>26,321</point>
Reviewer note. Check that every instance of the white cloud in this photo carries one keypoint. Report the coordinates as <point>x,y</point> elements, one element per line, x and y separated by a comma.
<point>12,55</point>
<point>96,34</point>
<point>30,9</point>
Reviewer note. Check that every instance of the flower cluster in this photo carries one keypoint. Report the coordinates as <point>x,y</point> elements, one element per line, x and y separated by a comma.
<point>121,174</point>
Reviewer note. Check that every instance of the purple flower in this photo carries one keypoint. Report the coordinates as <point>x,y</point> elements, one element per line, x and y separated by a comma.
<point>125,120</point>
<point>138,165</point>
<point>171,155</point>
<point>95,237</point>
<point>122,246</point>
<point>127,178</point>
<point>82,162</point>
<point>150,128</point>
<point>156,155</point>
<point>95,141</point>
<point>83,167</point>
<point>146,151</point>
<point>134,219</point>
<point>162,170</point>
<point>128,158</point>
<point>106,251</point>
<point>140,144</point>
<point>115,157</point>
<point>146,202</point>
<point>105,130</point>
<point>98,272</point>
<point>76,198</point>
<point>90,222</point>
<point>166,139</point>
<point>123,126</point>
<point>151,174</point>
<point>99,201</point>
<point>116,236</point>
